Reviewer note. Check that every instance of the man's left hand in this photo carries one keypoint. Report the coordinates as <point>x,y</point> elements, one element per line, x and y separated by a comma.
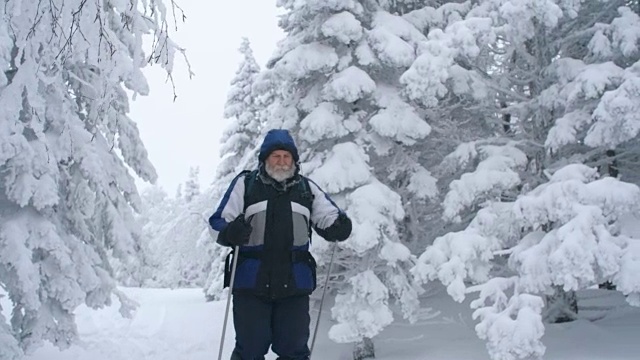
<point>340,229</point>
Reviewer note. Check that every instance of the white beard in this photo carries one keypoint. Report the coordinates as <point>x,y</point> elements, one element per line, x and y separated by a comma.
<point>280,173</point>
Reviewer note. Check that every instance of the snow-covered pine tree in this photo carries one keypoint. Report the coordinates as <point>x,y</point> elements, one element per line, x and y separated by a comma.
<point>157,211</point>
<point>179,193</point>
<point>192,186</point>
<point>337,72</point>
<point>177,239</point>
<point>452,120</point>
<point>66,195</point>
<point>241,109</point>
<point>451,80</point>
<point>240,144</point>
<point>558,72</point>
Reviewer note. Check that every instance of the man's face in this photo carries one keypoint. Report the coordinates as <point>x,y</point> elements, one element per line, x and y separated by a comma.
<point>279,165</point>
<point>280,159</point>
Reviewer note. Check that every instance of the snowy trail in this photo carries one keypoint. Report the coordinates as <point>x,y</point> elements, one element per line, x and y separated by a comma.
<point>168,325</point>
<point>181,325</point>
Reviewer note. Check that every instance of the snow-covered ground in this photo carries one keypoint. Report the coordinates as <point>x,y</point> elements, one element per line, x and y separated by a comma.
<point>179,324</point>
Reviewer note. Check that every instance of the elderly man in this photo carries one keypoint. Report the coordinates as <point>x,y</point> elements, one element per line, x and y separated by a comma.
<point>269,213</point>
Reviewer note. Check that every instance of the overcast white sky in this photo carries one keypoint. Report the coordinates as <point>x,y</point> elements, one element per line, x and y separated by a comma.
<point>187,132</point>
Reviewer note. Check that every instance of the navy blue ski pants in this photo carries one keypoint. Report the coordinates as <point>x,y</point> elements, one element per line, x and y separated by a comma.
<point>282,324</point>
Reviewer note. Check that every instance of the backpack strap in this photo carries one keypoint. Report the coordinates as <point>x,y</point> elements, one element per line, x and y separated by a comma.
<point>249,183</point>
<point>250,180</point>
<point>305,190</point>
<point>243,172</point>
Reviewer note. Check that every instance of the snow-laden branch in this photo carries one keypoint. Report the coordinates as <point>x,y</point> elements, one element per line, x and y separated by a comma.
<point>495,173</point>
<point>563,233</point>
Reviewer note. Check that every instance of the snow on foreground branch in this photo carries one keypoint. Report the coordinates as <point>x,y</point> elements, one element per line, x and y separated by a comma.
<point>66,194</point>
<point>567,233</point>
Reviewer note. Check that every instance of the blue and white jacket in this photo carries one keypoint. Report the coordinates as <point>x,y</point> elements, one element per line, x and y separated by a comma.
<point>276,262</point>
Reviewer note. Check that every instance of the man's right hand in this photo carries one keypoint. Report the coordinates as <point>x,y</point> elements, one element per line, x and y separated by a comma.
<point>238,231</point>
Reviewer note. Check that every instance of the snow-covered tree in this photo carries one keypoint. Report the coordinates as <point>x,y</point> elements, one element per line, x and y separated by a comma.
<point>566,233</point>
<point>180,242</point>
<point>156,211</point>
<point>453,120</point>
<point>157,208</point>
<point>337,75</point>
<point>553,81</point>
<point>176,237</point>
<point>192,186</point>
<point>66,194</point>
<point>239,151</point>
<point>241,109</point>
<point>179,195</point>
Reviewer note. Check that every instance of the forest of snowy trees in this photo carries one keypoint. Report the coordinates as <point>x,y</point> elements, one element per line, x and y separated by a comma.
<point>68,150</point>
<point>488,145</point>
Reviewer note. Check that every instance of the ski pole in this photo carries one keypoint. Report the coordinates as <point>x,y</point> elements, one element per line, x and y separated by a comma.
<point>324,291</point>
<point>236,253</point>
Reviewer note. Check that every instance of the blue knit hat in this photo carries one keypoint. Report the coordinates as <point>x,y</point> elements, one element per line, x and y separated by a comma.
<point>278,139</point>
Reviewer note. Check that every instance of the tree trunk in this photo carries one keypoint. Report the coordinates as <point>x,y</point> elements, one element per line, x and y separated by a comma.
<point>561,307</point>
<point>11,72</point>
<point>611,169</point>
<point>607,285</point>
<point>364,350</point>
